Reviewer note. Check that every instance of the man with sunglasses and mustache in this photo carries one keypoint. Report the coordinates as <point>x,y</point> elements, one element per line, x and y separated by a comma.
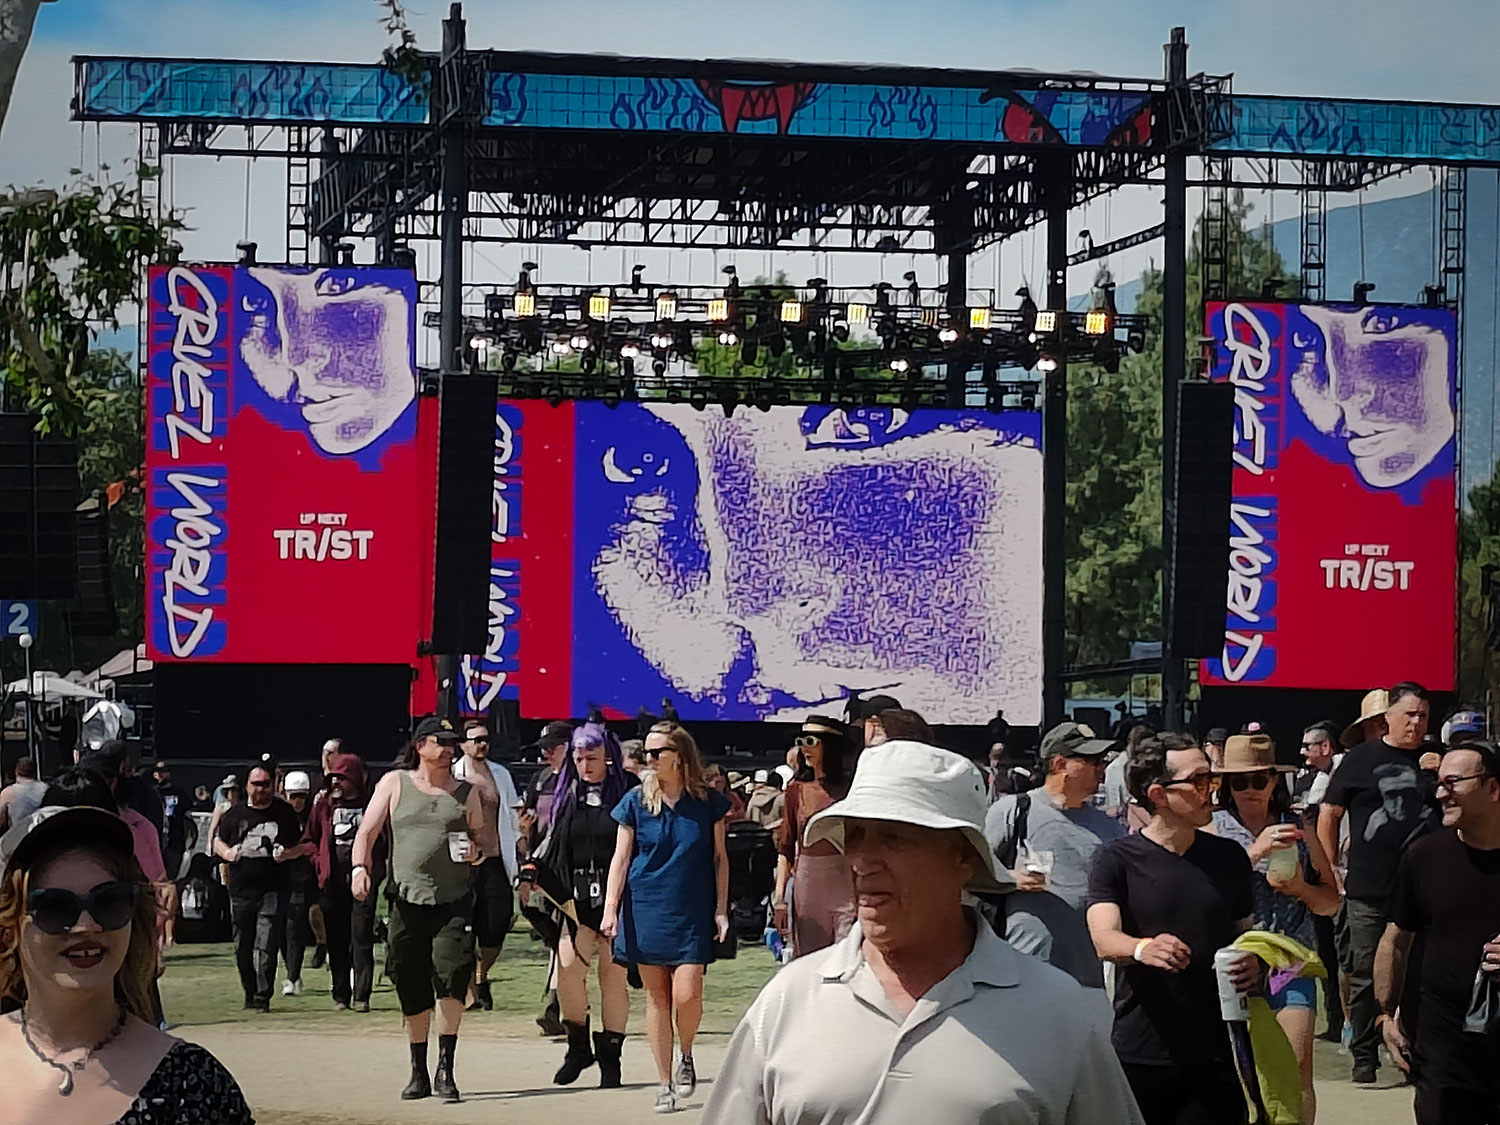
<point>1447,894</point>
<point>257,838</point>
<point>1161,904</point>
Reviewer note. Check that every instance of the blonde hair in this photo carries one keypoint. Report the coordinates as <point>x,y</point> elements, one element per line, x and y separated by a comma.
<point>693,781</point>
<point>133,981</point>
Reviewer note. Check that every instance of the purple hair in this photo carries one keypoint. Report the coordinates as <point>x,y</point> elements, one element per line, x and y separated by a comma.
<point>616,780</point>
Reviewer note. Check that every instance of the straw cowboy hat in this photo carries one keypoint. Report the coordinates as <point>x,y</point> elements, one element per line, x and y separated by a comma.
<point>913,783</point>
<point>1373,706</point>
<point>1251,753</point>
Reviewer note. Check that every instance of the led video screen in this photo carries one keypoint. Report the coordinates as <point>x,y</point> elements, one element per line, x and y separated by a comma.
<point>765,564</point>
<point>1343,512</point>
<point>288,501</point>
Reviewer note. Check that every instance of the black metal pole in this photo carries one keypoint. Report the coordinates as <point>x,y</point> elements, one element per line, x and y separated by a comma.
<point>955,235</point>
<point>455,199</point>
<point>1055,176</point>
<point>1173,371</point>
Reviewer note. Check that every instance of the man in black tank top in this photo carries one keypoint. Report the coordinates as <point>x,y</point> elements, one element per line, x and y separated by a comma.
<point>434,820</point>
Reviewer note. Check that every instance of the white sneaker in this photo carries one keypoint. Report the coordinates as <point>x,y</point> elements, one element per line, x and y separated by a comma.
<point>666,1100</point>
<point>291,988</point>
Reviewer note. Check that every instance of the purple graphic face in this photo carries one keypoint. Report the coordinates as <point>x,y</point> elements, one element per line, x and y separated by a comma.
<point>1381,382</point>
<point>850,556</point>
<point>339,351</point>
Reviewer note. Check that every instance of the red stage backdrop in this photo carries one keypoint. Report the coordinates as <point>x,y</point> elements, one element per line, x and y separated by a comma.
<point>290,502</point>
<point>1343,522</point>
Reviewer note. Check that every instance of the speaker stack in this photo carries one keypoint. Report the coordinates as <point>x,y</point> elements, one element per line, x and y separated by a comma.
<point>466,481</point>
<point>1198,557</point>
<point>38,512</point>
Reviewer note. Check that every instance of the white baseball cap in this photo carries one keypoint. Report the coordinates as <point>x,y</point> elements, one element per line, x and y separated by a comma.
<point>298,782</point>
<point>913,783</point>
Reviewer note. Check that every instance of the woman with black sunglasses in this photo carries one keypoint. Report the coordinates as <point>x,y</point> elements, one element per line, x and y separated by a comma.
<point>823,895</point>
<point>1293,878</point>
<point>77,961</point>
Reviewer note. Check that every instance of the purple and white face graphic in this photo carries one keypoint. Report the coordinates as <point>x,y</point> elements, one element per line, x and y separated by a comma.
<point>338,350</point>
<point>828,550</point>
<point>1378,378</point>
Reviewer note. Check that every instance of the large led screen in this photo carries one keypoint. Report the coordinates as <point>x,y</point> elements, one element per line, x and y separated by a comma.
<point>765,564</point>
<point>1343,513</point>
<point>288,503</point>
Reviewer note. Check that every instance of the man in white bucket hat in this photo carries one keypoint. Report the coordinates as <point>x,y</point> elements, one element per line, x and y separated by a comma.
<point>921,1013</point>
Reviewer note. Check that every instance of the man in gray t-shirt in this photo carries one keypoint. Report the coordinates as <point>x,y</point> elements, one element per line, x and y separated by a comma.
<point>23,796</point>
<point>1053,845</point>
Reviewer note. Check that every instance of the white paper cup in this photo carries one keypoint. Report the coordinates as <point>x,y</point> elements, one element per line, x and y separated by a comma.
<point>458,846</point>
<point>1234,1005</point>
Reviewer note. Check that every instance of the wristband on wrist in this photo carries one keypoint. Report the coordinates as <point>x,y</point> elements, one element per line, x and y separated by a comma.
<point>1140,949</point>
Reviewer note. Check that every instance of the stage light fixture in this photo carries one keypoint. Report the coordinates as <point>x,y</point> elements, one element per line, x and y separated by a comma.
<point>1046,322</point>
<point>666,306</point>
<point>508,360</point>
<point>658,367</point>
<point>718,309</point>
<point>561,347</point>
<point>555,395</point>
<point>661,341</point>
<point>900,365</point>
<point>481,342</point>
<point>1135,340</point>
<point>581,343</point>
<point>728,339</point>
<point>841,331</point>
<point>1362,291</point>
<point>948,334</point>
<point>698,397</point>
<point>611,396</point>
<point>858,312</point>
<point>1097,322</point>
<point>247,252</point>
<point>791,312</point>
<point>523,304</point>
<point>1046,364</point>
<point>979,319</point>
<point>749,351</point>
<point>630,350</point>
<point>599,305</point>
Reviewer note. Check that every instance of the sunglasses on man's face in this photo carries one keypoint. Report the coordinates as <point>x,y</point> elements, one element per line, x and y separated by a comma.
<point>55,911</point>
<point>1239,782</point>
<point>1203,782</point>
<point>482,739</point>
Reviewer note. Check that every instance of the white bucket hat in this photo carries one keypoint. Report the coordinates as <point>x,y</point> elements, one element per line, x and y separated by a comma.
<point>913,783</point>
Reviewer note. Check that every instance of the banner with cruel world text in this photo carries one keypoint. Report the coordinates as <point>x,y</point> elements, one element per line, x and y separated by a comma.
<point>289,499</point>
<point>1343,516</point>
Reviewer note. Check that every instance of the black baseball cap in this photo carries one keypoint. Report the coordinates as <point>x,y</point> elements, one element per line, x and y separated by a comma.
<point>433,727</point>
<point>63,824</point>
<point>1073,740</point>
<point>869,708</point>
<point>558,732</point>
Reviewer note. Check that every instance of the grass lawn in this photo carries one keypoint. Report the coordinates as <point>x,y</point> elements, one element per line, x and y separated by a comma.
<point>202,987</point>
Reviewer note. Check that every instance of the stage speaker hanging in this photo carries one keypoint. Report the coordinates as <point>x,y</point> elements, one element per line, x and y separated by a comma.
<point>466,484</point>
<point>1198,567</point>
<point>91,613</point>
<point>38,495</point>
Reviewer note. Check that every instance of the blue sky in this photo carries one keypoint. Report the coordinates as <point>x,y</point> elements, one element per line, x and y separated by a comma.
<point>1376,48</point>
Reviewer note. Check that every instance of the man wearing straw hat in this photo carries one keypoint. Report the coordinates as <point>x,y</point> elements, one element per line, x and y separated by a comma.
<point>1390,801</point>
<point>920,1013</point>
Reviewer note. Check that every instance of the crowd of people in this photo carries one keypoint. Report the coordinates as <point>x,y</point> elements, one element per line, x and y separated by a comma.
<point>1063,939</point>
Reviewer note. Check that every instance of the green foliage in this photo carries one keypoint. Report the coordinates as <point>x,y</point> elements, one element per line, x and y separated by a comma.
<point>1114,460</point>
<point>70,261</point>
<point>1478,548</point>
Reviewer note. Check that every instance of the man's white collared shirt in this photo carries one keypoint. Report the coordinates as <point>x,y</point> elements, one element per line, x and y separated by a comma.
<point>1002,1040</point>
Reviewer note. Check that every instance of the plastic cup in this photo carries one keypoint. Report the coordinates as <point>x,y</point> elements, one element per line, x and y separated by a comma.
<point>458,846</point>
<point>1282,863</point>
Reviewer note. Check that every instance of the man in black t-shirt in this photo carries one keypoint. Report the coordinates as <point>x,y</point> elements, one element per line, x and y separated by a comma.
<point>1447,892</point>
<point>1390,802</point>
<point>1161,904</point>
<point>174,804</point>
<point>257,838</point>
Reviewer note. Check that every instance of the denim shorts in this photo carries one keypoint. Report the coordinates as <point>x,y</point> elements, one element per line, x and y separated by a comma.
<point>1300,992</point>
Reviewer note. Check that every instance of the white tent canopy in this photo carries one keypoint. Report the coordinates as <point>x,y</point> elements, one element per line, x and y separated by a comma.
<point>49,685</point>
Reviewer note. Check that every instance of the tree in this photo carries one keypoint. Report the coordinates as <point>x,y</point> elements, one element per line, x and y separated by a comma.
<point>17,17</point>
<point>1114,459</point>
<point>70,261</point>
<point>1478,549</point>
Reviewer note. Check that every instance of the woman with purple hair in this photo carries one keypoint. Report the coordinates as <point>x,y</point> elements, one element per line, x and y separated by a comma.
<point>577,851</point>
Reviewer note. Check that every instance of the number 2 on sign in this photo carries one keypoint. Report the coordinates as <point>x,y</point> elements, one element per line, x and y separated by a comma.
<point>19,617</point>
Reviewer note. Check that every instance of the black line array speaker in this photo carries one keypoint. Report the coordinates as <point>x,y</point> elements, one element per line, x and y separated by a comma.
<point>91,613</point>
<point>38,499</point>
<point>1198,566</point>
<point>466,482</point>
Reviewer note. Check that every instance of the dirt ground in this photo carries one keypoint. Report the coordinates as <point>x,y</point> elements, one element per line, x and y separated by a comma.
<point>353,1078</point>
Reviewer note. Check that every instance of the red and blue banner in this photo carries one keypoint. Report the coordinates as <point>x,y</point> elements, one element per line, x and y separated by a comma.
<point>1344,511</point>
<point>289,499</point>
<point>765,564</point>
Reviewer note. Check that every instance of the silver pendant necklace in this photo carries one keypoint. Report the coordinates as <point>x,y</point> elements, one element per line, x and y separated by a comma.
<point>65,1087</point>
